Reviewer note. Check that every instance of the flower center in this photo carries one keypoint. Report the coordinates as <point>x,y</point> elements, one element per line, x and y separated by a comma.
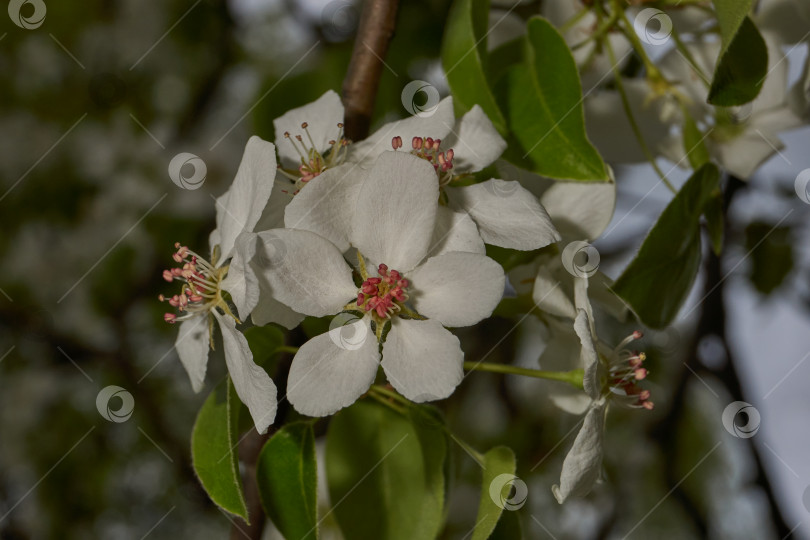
<point>313,162</point>
<point>429,149</point>
<point>200,283</point>
<point>625,373</point>
<point>384,295</point>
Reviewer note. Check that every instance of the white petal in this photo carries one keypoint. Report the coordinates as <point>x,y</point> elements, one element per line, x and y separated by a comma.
<point>610,130</point>
<point>551,295</point>
<point>326,205</point>
<point>269,310</point>
<point>475,142</point>
<point>240,208</point>
<point>588,356</point>
<point>241,282</point>
<point>437,125</point>
<point>744,154</point>
<point>304,271</point>
<point>583,463</point>
<point>562,354</point>
<point>422,360</point>
<point>273,214</point>
<point>580,211</point>
<point>323,115</point>
<point>456,288</point>
<point>332,370</point>
<point>506,213</point>
<point>455,231</point>
<point>253,385</point>
<point>396,211</point>
<point>192,347</point>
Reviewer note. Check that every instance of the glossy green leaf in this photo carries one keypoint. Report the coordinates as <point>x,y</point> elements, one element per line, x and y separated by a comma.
<point>464,58</point>
<point>715,221</point>
<point>214,449</point>
<point>497,483</point>
<point>542,100</point>
<point>287,477</point>
<point>387,471</point>
<point>658,280</point>
<point>743,62</point>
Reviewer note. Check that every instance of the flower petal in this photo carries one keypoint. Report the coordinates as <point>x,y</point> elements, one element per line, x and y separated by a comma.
<point>455,231</point>
<point>273,214</point>
<point>192,348</point>
<point>240,208</point>
<point>396,210</point>
<point>270,310</point>
<point>253,385</point>
<point>583,463</point>
<point>304,271</point>
<point>322,116</point>
<point>241,282</point>
<point>422,360</point>
<point>551,295</point>
<point>326,204</point>
<point>436,125</point>
<point>332,370</point>
<point>588,356</point>
<point>475,142</point>
<point>506,213</point>
<point>456,288</point>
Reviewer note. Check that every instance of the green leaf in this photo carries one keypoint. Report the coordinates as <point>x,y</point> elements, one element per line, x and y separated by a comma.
<point>287,478</point>
<point>771,252</point>
<point>387,471</point>
<point>693,142</point>
<point>214,449</point>
<point>499,466</point>
<point>743,62</point>
<point>659,278</point>
<point>542,99</point>
<point>464,58</point>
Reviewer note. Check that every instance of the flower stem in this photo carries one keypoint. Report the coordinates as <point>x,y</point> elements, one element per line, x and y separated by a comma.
<point>573,377</point>
<point>285,349</point>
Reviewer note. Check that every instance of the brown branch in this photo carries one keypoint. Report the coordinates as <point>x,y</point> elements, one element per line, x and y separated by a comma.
<point>363,76</point>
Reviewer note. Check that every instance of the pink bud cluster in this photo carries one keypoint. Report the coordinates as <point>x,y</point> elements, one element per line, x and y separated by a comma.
<point>199,283</point>
<point>382,293</point>
<point>628,371</point>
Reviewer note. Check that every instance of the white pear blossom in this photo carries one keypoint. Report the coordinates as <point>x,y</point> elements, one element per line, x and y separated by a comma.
<point>202,299</point>
<point>405,299</point>
<point>609,376</point>
<point>496,211</point>
<point>740,139</point>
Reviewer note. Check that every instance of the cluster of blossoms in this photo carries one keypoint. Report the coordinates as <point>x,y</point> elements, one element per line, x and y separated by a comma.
<point>395,241</point>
